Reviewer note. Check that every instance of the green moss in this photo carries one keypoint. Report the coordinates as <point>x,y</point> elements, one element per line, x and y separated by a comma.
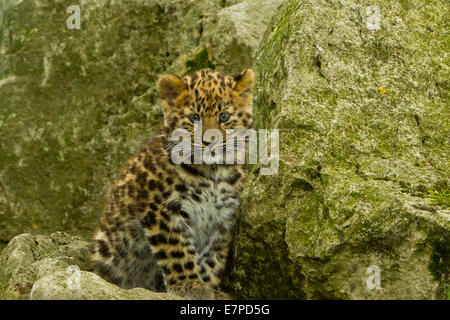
<point>199,61</point>
<point>275,41</point>
<point>440,196</point>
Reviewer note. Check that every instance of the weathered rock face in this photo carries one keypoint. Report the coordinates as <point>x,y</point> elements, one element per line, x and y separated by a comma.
<point>57,267</point>
<point>364,125</point>
<point>233,35</point>
<point>363,122</point>
<point>74,104</point>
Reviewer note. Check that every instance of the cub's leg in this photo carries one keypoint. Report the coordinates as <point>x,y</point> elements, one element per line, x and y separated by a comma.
<point>212,262</point>
<point>124,257</point>
<point>175,253</point>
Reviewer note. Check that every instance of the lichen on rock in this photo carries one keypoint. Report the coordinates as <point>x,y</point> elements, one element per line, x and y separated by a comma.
<point>355,161</point>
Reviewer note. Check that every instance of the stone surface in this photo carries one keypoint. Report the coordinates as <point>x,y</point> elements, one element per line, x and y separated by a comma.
<point>364,138</point>
<point>58,267</point>
<point>234,34</point>
<point>364,126</point>
<point>74,104</point>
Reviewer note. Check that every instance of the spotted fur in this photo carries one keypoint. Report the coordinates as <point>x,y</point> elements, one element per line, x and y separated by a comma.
<point>168,227</point>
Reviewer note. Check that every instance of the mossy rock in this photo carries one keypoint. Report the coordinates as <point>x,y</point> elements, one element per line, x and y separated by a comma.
<point>74,104</point>
<point>364,125</point>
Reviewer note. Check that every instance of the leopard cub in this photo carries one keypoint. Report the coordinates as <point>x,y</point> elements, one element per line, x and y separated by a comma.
<point>167,226</point>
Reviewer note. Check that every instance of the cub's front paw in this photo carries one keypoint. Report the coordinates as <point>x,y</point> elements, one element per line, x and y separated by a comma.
<point>193,290</point>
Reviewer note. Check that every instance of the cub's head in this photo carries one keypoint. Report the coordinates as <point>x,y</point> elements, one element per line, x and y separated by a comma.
<point>216,100</point>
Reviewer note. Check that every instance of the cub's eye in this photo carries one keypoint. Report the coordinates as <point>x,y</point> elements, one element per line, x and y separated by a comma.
<point>194,117</point>
<point>224,117</point>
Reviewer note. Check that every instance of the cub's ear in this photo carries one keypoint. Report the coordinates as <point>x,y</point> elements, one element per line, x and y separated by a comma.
<point>244,81</point>
<point>170,87</point>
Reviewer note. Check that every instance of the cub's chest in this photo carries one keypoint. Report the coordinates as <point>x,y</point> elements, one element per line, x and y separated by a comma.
<point>211,206</point>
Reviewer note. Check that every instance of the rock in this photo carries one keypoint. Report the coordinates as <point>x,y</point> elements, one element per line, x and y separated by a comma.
<point>364,125</point>
<point>58,267</point>
<point>234,34</point>
<point>74,104</point>
<point>3,245</point>
<point>360,102</point>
